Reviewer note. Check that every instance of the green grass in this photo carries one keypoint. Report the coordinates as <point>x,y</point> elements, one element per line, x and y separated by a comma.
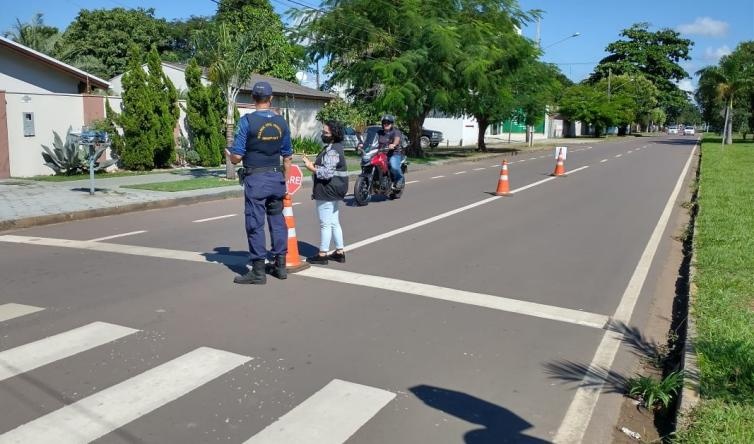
<point>99,175</point>
<point>724,306</point>
<point>185,185</point>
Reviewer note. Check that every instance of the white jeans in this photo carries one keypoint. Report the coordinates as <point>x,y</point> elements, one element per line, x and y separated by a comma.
<point>329,225</point>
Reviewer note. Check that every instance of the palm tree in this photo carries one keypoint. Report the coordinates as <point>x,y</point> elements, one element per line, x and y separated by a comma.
<point>231,61</point>
<point>725,82</point>
<point>34,34</point>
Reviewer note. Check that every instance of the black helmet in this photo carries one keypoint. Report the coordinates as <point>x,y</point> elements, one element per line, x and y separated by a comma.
<point>388,118</point>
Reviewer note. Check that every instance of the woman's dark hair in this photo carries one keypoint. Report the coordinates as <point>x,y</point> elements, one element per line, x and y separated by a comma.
<point>337,130</point>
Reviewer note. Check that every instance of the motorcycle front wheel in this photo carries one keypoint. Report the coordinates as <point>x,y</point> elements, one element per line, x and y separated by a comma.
<point>361,191</point>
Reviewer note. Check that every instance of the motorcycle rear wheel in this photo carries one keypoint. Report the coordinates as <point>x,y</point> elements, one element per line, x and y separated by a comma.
<point>361,191</point>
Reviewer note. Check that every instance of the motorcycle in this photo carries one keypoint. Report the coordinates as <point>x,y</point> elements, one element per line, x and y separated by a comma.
<point>375,177</point>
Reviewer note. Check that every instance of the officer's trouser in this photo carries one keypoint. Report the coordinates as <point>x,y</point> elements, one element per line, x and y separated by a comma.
<point>259,189</point>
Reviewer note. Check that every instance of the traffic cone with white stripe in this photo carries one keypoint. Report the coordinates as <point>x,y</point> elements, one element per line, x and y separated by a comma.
<point>503,187</point>
<point>293,260</point>
<point>559,167</point>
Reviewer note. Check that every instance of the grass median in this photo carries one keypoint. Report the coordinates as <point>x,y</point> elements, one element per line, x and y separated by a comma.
<point>724,306</point>
<point>186,185</point>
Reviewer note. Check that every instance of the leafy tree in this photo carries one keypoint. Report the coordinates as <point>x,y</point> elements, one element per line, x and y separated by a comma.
<point>180,33</point>
<point>350,114</point>
<point>492,53</point>
<point>105,35</point>
<point>140,123</point>
<point>591,104</point>
<point>535,86</point>
<point>111,127</point>
<point>641,93</point>
<point>275,54</point>
<point>203,118</point>
<point>656,55</point>
<point>34,34</point>
<point>164,107</point>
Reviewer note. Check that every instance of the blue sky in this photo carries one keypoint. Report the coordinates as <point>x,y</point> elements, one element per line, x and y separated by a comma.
<point>716,27</point>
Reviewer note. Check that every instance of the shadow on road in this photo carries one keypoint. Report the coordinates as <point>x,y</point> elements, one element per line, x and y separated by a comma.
<point>500,424</point>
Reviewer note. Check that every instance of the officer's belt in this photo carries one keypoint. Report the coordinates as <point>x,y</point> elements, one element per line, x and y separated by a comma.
<point>341,173</point>
<point>269,169</point>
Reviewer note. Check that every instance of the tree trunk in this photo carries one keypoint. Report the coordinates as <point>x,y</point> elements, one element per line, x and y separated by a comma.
<point>230,172</point>
<point>414,134</point>
<point>729,125</point>
<point>483,125</point>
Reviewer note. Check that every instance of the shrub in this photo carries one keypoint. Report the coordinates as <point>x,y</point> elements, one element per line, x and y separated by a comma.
<point>652,391</point>
<point>306,145</point>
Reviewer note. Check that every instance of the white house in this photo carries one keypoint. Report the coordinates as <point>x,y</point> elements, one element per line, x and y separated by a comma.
<point>39,95</point>
<point>299,104</point>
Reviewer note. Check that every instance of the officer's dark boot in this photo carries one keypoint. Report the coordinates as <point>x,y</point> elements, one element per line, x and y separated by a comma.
<point>278,267</point>
<point>256,275</point>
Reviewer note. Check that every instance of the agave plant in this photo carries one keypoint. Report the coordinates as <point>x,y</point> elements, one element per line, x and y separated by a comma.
<point>65,158</point>
<point>71,157</point>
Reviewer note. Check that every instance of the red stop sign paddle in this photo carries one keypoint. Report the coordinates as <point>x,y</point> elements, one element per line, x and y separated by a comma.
<point>295,179</point>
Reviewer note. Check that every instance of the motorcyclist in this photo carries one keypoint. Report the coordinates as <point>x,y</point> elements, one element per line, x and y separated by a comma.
<point>389,138</point>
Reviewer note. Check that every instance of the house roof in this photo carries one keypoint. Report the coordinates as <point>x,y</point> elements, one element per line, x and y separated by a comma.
<point>89,79</point>
<point>279,87</point>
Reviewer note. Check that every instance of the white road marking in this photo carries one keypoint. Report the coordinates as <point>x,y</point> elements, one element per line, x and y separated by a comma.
<point>413,181</point>
<point>11,311</point>
<point>580,411</point>
<point>225,216</point>
<point>297,203</point>
<point>459,296</point>
<point>629,152</point>
<point>437,177</point>
<point>330,416</point>
<point>105,411</point>
<point>603,160</point>
<point>522,160</point>
<point>619,155</point>
<point>38,353</point>
<point>115,236</point>
<point>460,172</point>
<point>532,158</point>
<point>480,169</point>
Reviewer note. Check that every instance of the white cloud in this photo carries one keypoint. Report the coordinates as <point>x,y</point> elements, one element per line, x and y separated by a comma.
<point>713,55</point>
<point>686,85</point>
<point>704,26</point>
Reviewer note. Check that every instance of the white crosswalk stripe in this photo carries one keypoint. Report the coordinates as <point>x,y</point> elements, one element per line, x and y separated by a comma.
<point>330,416</point>
<point>114,407</point>
<point>12,311</point>
<point>45,351</point>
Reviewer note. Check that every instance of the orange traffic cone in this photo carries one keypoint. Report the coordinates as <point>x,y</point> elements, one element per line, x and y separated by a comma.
<point>292,260</point>
<point>559,167</point>
<point>503,188</point>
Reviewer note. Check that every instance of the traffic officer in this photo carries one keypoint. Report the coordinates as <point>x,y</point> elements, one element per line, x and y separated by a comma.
<point>262,138</point>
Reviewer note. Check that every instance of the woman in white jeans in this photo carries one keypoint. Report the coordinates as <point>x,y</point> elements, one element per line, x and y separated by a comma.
<point>330,177</point>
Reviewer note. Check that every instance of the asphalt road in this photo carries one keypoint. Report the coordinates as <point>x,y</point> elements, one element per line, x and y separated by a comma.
<point>459,316</point>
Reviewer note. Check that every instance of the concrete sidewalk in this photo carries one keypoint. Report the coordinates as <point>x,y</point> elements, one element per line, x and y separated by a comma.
<point>25,202</point>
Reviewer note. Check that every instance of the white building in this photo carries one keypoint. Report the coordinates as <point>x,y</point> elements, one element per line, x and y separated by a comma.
<point>39,95</point>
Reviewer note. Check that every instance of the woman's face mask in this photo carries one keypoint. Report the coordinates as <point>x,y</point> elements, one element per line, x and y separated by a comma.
<point>326,138</point>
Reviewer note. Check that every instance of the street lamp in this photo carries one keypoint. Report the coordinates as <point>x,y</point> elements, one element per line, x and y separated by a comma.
<point>575,34</point>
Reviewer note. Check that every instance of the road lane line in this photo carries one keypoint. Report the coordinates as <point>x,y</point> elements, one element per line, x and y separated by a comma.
<point>459,296</point>
<point>11,311</point>
<point>101,413</point>
<point>437,177</point>
<point>619,155</point>
<point>225,216</point>
<point>603,160</point>
<point>45,351</point>
<point>330,416</point>
<point>413,181</point>
<point>532,158</point>
<point>460,172</point>
<point>480,169</point>
<point>115,236</point>
<point>579,413</point>
<point>296,203</point>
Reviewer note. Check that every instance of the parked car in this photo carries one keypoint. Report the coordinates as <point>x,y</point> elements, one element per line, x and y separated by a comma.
<point>688,131</point>
<point>351,138</point>
<point>673,129</point>
<point>429,138</point>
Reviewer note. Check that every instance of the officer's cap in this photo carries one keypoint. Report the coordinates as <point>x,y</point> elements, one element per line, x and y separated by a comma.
<point>261,90</point>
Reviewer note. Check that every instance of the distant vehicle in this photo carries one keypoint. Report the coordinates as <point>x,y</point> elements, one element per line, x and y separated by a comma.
<point>351,139</point>
<point>673,129</point>
<point>429,138</point>
<point>688,131</point>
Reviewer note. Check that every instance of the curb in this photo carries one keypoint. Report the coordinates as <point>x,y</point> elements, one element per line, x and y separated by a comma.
<point>99,212</point>
<point>689,396</point>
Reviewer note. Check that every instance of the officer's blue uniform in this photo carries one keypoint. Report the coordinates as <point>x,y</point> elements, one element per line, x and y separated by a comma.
<point>262,138</point>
